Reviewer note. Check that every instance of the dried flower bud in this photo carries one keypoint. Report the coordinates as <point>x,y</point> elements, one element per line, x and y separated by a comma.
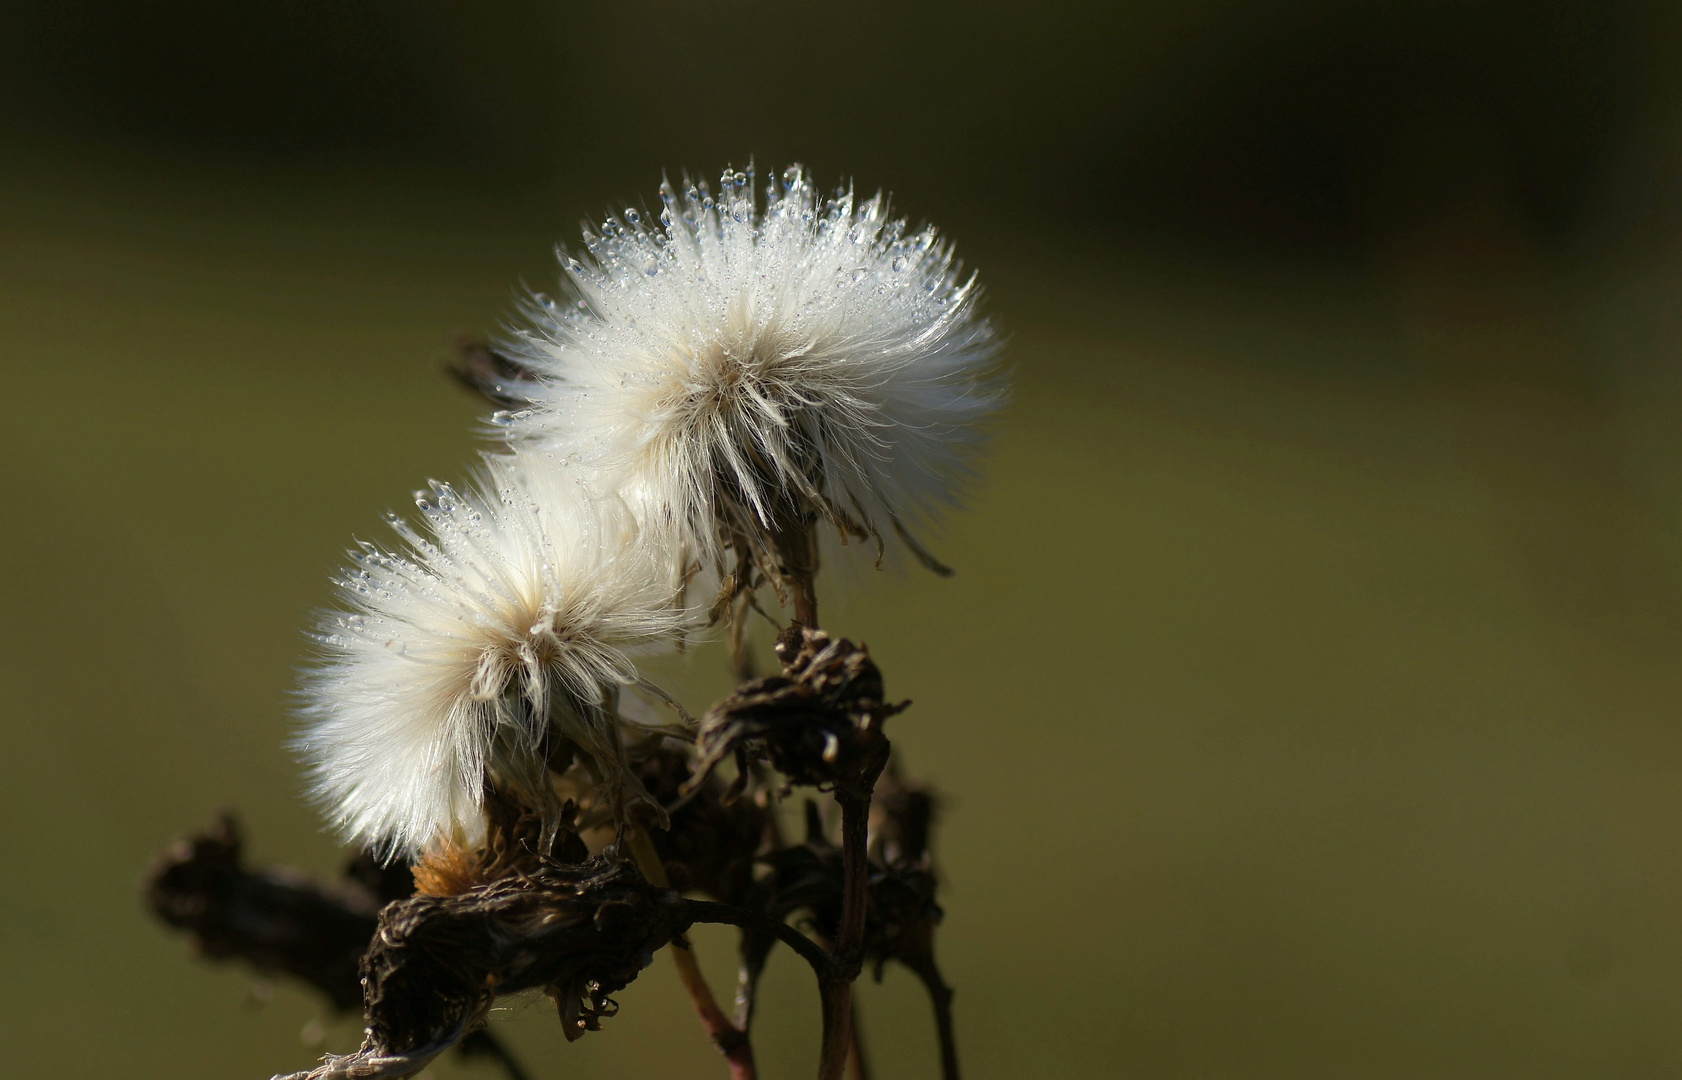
<point>579,932</point>
<point>818,723</point>
<point>711,844</point>
<point>900,916</point>
<point>277,920</point>
<point>902,814</point>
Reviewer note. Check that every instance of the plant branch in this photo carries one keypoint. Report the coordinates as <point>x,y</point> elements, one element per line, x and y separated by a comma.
<point>857,1064</point>
<point>708,911</point>
<point>849,939</point>
<point>731,1040</point>
<point>794,539</point>
<point>941,995</point>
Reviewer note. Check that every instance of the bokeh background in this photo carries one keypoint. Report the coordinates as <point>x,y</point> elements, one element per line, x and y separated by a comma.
<point>1309,700</point>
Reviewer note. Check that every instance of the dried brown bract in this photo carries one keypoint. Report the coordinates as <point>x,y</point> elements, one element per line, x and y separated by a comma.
<point>818,723</point>
<point>901,913</point>
<point>807,877</point>
<point>577,932</point>
<point>902,817</point>
<point>711,844</point>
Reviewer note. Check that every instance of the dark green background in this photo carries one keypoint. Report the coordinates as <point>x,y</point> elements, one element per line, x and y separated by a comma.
<point>1309,698</point>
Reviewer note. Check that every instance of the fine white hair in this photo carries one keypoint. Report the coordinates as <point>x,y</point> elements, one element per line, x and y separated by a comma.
<point>741,357</point>
<point>493,639</point>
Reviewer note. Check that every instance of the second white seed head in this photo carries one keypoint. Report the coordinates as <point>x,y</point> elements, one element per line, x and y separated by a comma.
<point>505,626</point>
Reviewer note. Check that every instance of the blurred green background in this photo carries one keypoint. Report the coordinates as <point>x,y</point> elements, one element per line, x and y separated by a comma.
<point>1309,698</point>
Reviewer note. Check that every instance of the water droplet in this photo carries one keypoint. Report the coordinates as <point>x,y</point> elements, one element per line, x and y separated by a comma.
<point>633,216</point>
<point>503,418</point>
<point>899,263</point>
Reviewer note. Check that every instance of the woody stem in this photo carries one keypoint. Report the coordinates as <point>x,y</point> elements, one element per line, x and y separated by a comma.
<point>731,1041</point>
<point>837,989</point>
<point>795,539</point>
<point>805,601</point>
<point>858,1066</point>
<point>940,995</point>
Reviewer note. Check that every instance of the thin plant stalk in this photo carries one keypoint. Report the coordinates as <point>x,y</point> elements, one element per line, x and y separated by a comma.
<point>795,541</point>
<point>837,989</point>
<point>731,1040</point>
<point>858,1065</point>
<point>941,996</point>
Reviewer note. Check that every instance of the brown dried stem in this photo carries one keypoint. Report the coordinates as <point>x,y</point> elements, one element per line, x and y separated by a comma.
<point>707,911</point>
<point>795,540</point>
<point>941,995</point>
<point>731,1040</point>
<point>837,990</point>
<point>858,1064</point>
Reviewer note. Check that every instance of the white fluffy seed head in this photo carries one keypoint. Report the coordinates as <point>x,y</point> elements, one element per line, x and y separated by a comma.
<point>503,627</point>
<point>744,356</point>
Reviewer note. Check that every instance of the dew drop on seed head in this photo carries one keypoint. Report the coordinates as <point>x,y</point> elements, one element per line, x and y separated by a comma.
<point>633,216</point>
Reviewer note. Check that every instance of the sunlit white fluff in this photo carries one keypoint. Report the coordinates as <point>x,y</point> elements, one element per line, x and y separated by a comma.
<point>744,356</point>
<point>507,623</point>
